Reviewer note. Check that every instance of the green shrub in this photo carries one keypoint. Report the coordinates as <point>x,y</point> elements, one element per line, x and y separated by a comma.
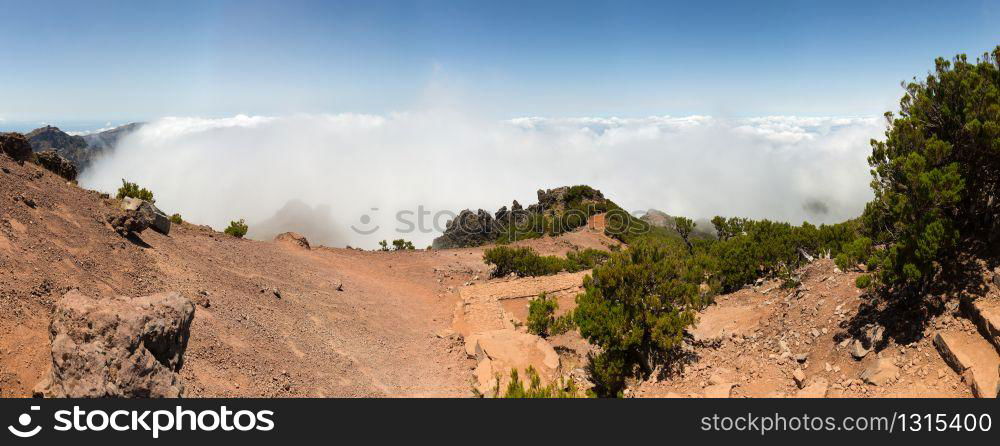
<point>936,175</point>
<point>542,320</point>
<point>132,190</point>
<point>586,259</point>
<point>535,389</point>
<point>525,262</point>
<point>237,229</point>
<point>635,307</point>
<point>402,245</point>
<point>863,281</point>
<point>176,219</point>
<point>751,249</point>
<point>684,227</point>
<point>855,252</point>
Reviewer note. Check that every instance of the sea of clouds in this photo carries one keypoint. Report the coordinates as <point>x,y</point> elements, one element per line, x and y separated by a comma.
<point>344,179</point>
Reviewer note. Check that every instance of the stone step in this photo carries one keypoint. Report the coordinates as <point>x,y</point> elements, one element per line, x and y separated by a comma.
<point>973,358</point>
<point>985,313</point>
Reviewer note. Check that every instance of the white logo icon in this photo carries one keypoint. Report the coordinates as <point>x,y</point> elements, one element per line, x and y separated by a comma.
<point>25,420</point>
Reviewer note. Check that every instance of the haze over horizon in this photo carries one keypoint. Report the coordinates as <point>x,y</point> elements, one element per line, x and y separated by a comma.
<point>759,110</point>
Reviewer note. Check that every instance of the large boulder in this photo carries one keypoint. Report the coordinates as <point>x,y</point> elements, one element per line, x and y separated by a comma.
<point>118,347</point>
<point>157,219</point>
<point>56,164</point>
<point>15,145</point>
<point>132,217</point>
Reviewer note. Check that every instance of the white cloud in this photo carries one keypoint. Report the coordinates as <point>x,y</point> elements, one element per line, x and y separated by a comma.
<point>341,166</point>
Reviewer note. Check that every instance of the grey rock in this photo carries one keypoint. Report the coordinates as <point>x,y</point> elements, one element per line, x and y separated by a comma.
<point>117,346</point>
<point>880,372</point>
<point>858,350</point>
<point>149,213</point>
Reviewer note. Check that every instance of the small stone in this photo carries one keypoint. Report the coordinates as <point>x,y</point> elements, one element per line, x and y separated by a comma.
<point>858,351</point>
<point>800,378</point>
<point>880,372</point>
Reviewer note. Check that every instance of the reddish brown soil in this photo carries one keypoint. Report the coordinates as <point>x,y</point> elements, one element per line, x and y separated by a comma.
<point>374,338</point>
<point>357,323</point>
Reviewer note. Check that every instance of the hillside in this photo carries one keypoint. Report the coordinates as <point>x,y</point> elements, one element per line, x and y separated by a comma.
<point>379,336</point>
<point>79,150</point>
<point>281,319</point>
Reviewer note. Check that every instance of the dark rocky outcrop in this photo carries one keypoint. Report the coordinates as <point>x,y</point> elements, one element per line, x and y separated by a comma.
<point>79,150</point>
<point>73,148</point>
<point>468,229</point>
<point>55,163</point>
<point>478,228</point>
<point>15,145</point>
<point>118,347</point>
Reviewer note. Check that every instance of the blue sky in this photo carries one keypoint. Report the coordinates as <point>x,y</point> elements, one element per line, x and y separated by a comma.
<point>120,61</point>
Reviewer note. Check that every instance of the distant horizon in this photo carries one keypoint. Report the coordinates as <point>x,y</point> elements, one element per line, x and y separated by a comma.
<point>104,61</point>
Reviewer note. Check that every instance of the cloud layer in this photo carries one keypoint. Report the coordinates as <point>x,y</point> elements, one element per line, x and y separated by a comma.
<point>344,175</point>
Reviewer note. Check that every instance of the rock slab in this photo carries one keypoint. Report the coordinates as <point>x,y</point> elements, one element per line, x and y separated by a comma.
<point>118,347</point>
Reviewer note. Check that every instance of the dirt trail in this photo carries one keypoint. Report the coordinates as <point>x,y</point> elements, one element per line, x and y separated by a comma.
<point>376,337</point>
<point>275,319</point>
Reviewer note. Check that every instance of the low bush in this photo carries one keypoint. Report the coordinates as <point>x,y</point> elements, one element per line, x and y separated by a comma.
<point>402,245</point>
<point>525,262</point>
<point>863,281</point>
<point>176,219</point>
<point>635,307</point>
<point>132,190</point>
<point>237,229</point>
<point>542,320</point>
<point>535,389</point>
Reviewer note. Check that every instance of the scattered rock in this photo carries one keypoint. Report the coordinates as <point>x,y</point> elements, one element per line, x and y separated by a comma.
<point>873,336</point>
<point>28,201</point>
<point>202,299</point>
<point>158,220</point>
<point>486,381</point>
<point>117,347</point>
<point>56,164</point>
<point>447,333</point>
<point>858,350</point>
<point>817,388</point>
<point>721,390</point>
<point>128,222</point>
<point>880,372</point>
<point>800,378</point>
<point>294,239</point>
